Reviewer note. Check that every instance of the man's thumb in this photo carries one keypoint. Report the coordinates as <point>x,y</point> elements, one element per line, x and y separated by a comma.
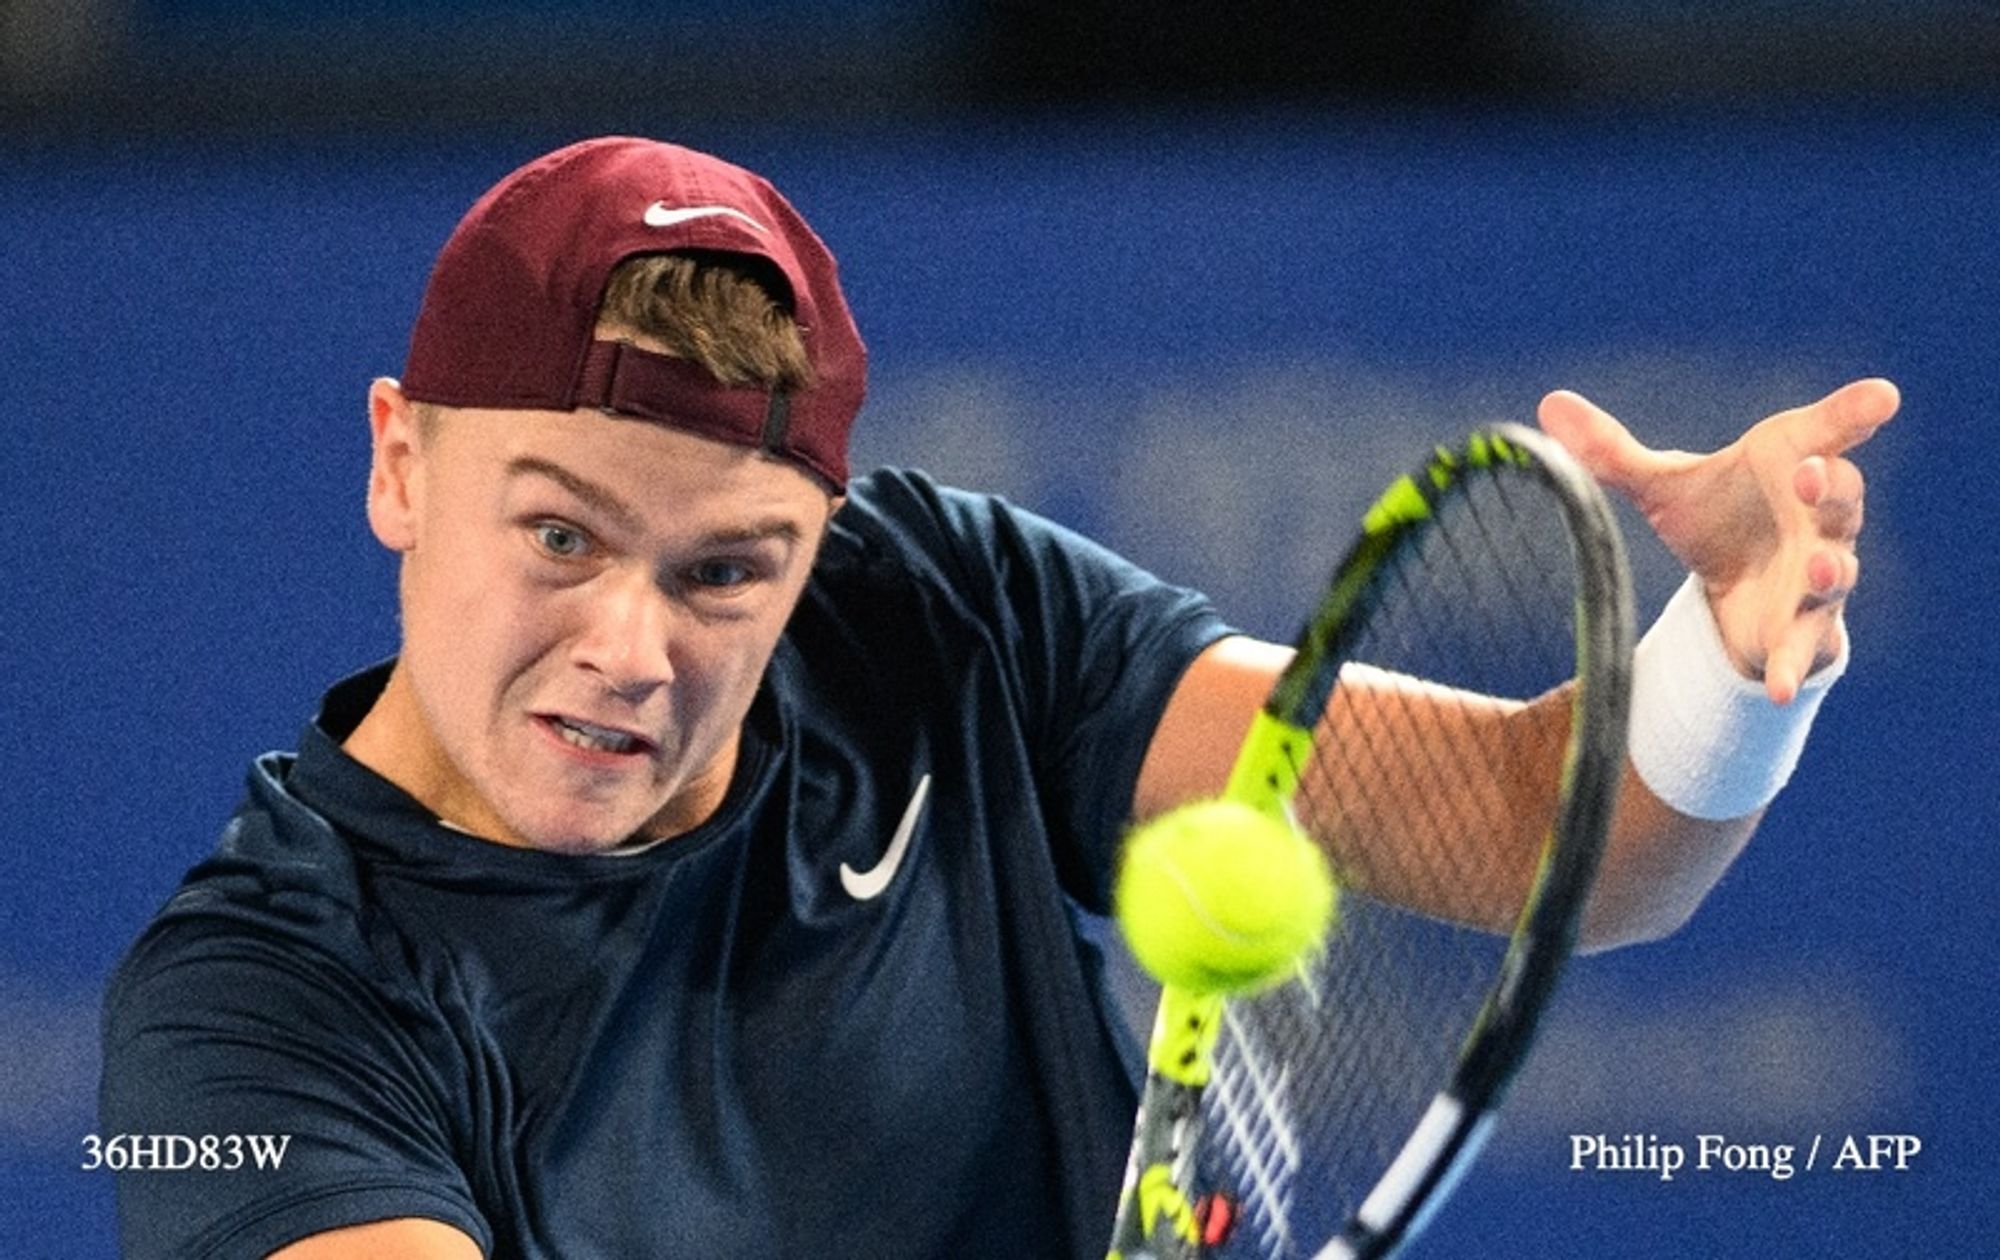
<point>1605,448</point>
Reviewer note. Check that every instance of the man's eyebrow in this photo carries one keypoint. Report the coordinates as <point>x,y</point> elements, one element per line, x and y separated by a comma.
<point>589,491</point>
<point>777,527</point>
<point>604,500</point>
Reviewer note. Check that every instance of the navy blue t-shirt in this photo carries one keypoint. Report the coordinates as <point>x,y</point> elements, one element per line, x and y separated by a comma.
<point>709,1047</point>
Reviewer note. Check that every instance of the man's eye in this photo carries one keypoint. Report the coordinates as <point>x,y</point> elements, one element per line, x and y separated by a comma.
<point>721,574</point>
<point>560,540</point>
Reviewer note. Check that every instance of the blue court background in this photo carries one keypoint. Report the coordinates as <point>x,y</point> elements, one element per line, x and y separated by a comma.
<point>1145,330</point>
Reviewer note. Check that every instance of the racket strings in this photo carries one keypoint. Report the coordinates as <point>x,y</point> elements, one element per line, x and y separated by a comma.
<point>1414,769</point>
<point>1318,1083</point>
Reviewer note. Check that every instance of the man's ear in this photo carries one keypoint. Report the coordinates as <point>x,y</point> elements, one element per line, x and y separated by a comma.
<point>395,474</point>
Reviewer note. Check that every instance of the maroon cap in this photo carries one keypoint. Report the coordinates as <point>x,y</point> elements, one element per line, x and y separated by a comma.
<point>509,313</point>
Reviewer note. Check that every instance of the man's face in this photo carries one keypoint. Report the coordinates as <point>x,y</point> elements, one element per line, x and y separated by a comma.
<point>588,606</point>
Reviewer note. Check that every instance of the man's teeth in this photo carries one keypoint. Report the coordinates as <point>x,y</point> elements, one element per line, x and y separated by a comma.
<point>595,738</point>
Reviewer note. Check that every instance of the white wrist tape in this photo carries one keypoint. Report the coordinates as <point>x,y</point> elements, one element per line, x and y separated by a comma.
<point>1706,740</point>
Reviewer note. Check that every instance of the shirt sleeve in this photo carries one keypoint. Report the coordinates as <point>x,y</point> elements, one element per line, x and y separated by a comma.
<point>256,1091</point>
<point>1095,646</point>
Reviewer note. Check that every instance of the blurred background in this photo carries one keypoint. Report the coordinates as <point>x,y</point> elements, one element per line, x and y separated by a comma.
<point>1178,274</point>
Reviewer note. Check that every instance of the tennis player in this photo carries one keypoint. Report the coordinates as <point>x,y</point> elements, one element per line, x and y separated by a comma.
<point>704,875</point>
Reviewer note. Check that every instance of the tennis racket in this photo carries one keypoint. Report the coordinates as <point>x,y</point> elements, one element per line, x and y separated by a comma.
<point>1472,650</point>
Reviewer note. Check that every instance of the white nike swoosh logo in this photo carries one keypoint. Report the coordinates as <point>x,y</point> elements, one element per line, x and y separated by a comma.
<point>661,215</point>
<point>868,885</point>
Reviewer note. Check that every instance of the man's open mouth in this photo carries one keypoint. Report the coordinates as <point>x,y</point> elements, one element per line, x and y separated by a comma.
<point>595,738</point>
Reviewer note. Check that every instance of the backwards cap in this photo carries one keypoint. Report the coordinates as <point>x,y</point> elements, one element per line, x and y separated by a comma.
<point>509,315</point>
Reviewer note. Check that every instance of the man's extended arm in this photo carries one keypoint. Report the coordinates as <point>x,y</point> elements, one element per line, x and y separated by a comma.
<point>1767,525</point>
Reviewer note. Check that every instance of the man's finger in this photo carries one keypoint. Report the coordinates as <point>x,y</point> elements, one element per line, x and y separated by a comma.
<point>1833,489</point>
<point>1606,449</point>
<point>1831,575</point>
<point>1839,513</point>
<point>1792,656</point>
<point>1807,635</point>
<point>1846,417</point>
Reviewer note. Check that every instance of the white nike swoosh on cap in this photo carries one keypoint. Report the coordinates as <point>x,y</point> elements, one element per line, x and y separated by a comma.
<point>661,215</point>
<point>868,885</point>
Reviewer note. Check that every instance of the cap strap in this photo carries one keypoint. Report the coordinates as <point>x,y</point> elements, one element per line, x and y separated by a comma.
<point>620,378</point>
<point>777,421</point>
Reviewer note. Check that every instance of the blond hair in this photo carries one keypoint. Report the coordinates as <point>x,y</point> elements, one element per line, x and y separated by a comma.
<point>717,310</point>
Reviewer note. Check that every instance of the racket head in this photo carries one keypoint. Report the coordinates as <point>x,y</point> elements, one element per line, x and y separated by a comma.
<point>1340,1107</point>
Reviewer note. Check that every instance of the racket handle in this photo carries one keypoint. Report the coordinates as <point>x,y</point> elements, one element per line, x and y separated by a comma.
<point>1156,1213</point>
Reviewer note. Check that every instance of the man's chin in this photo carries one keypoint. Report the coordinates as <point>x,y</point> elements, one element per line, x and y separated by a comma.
<point>574,837</point>
<point>574,846</point>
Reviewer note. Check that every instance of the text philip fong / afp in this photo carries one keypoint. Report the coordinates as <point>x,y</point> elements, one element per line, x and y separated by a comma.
<point>1712,1152</point>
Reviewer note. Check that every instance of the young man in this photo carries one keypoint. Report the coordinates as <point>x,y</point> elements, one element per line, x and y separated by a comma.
<point>701,877</point>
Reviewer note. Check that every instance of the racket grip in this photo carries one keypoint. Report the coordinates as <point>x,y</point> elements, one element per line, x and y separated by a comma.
<point>1156,1208</point>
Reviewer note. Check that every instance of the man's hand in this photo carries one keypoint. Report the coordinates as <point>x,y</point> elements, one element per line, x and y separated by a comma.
<point>1768,522</point>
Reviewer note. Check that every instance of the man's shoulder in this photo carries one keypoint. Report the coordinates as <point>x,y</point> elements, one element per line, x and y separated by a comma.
<point>976,550</point>
<point>895,516</point>
<point>901,562</point>
<point>278,882</point>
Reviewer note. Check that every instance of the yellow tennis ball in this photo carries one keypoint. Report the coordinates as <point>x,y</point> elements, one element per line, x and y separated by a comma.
<point>1218,896</point>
